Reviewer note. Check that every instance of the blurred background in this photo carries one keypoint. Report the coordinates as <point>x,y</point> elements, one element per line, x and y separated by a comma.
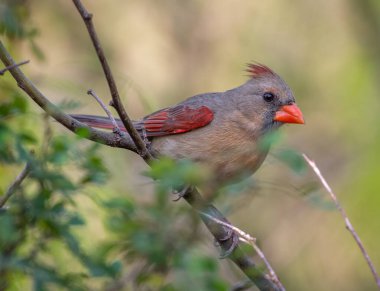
<point>162,52</point>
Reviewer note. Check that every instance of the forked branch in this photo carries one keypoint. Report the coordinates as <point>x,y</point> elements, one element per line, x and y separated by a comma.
<point>107,138</point>
<point>116,101</point>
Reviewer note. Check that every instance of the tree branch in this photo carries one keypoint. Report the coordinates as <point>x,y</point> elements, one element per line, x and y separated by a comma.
<point>116,102</point>
<point>15,184</point>
<point>66,120</point>
<point>343,213</point>
<point>228,240</point>
<point>245,237</point>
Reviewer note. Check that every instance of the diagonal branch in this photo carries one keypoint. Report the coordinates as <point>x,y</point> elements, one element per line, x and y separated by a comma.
<point>116,102</point>
<point>75,126</point>
<point>343,213</point>
<point>252,242</point>
<point>228,240</point>
<point>15,184</point>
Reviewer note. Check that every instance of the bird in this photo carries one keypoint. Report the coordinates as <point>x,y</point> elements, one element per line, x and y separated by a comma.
<point>222,131</point>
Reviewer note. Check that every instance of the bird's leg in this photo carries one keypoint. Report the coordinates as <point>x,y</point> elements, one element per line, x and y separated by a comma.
<point>225,237</point>
<point>230,234</point>
<point>181,193</point>
<point>235,241</point>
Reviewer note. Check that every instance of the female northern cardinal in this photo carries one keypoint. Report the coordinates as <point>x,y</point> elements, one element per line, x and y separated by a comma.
<point>220,130</point>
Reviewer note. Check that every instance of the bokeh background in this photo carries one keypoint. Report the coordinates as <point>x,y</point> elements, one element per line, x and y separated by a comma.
<point>164,51</point>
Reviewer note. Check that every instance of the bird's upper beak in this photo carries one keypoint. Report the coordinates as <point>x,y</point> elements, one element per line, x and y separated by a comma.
<point>289,114</point>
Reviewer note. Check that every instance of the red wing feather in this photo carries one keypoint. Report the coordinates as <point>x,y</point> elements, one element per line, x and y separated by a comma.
<point>176,119</point>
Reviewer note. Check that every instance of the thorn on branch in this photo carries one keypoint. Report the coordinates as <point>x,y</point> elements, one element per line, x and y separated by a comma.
<point>87,16</point>
<point>3,71</point>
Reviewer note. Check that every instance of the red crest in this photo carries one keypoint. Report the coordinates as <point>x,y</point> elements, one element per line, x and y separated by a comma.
<point>258,70</point>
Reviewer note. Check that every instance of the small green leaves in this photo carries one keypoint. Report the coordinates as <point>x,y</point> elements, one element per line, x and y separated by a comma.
<point>269,139</point>
<point>16,105</point>
<point>292,159</point>
<point>83,132</point>
<point>172,174</point>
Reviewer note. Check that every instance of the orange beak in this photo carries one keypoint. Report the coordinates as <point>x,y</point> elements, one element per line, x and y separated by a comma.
<point>289,114</point>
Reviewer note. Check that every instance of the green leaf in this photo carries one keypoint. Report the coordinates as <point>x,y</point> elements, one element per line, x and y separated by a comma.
<point>76,219</point>
<point>83,132</point>
<point>270,139</point>
<point>292,159</point>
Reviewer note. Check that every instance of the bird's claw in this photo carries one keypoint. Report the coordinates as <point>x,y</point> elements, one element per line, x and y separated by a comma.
<point>229,234</point>
<point>235,241</point>
<point>180,194</point>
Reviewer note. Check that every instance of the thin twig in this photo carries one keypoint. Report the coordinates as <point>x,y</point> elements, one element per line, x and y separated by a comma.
<point>252,242</point>
<point>116,101</point>
<point>349,226</point>
<point>116,129</point>
<point>241,233</point>
<point>15,184</point>
<point>2,72</point>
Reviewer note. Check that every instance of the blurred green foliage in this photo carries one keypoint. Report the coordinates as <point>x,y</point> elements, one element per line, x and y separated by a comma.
<point>44,212</point>
<point>14,16</point>
<point>41,223</point>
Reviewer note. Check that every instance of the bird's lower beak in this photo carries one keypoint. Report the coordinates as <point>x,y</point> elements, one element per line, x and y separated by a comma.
<point>289,114</point>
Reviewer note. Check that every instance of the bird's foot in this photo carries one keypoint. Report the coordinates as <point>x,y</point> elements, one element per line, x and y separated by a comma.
<point>181,193</point>
<point>226,252</point>
<point>229,234</point>
<point>220,242</point>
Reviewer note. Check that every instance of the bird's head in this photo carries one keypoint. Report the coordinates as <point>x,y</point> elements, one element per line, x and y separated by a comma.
<point>265,96</point>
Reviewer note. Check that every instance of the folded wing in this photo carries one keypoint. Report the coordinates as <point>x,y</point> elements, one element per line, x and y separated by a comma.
<point>172,120</point>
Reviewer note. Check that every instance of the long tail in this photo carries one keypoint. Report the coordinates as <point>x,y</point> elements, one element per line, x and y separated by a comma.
<point>97,121</point>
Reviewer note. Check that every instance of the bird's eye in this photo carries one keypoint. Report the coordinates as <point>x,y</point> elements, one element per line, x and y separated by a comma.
<point>268,96</point>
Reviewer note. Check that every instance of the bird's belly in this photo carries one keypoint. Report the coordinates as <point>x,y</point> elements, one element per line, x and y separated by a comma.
<point>236,165</point>
<point>227,162</point>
